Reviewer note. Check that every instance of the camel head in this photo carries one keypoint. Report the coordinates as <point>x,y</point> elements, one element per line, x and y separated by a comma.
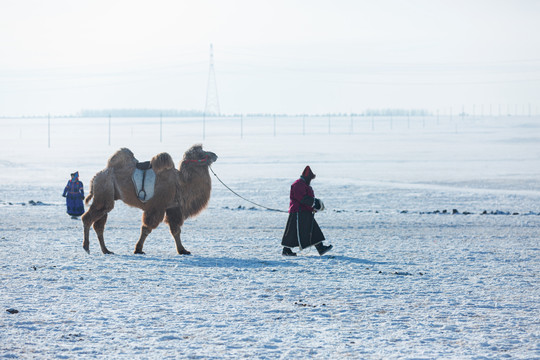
<point>198,157</point>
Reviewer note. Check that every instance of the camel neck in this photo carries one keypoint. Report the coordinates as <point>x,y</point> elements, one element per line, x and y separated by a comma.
<point>194,190</point>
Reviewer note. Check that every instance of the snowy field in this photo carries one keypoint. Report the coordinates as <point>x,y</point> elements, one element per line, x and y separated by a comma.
<point>408,277</point>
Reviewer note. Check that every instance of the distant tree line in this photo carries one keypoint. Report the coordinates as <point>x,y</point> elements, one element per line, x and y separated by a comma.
<point>397,112</point>
<point>139,113</point>
<point>369,112</point>
<point>135,113</point>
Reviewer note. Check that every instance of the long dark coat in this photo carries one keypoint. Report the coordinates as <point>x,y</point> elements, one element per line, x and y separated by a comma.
<point>74,194</point>
<point>301,230</point>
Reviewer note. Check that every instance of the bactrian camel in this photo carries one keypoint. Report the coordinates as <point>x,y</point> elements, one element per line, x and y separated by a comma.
<point>178,194</point>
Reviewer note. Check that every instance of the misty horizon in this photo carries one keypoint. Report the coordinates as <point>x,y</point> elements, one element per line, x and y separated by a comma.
<point>294,57</point>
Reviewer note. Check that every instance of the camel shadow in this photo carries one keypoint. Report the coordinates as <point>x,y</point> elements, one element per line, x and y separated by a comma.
<point>215,262</point>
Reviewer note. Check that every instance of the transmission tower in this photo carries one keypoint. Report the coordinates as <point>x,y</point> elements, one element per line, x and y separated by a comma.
<point>212,102</point>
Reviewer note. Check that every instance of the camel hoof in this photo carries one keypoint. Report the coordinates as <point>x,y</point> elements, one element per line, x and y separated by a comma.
<point>184,252</point>
<point>139,252</point>
<point>107,252</point>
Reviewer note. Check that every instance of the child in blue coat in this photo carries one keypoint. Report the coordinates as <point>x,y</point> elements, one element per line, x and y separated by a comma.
<point>74,195</point>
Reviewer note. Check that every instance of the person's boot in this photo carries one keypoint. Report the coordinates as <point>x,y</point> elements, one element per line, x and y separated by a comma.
<point>288,252</point>
<point>323,249</point>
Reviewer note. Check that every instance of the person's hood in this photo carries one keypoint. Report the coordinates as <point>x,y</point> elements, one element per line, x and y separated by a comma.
<point>307,175</point>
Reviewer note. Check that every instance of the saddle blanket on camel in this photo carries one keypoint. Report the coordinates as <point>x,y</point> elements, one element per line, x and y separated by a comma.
<point>144,181</point>
<point>302,230</point>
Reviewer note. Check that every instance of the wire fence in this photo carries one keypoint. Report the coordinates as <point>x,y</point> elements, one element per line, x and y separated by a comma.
<point>109,131</point>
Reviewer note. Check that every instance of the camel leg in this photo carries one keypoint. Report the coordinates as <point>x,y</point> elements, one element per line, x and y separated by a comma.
<point>174,219</point>
<point>99,227</point>
<point>86,240</point>
<point>145,231</point>
<point>150,220</point>
<point>179,247</point>
<point>88,219</point>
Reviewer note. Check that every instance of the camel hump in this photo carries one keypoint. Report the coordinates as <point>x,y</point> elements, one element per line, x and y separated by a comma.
<point>161,162</point>
<point>121,158</point>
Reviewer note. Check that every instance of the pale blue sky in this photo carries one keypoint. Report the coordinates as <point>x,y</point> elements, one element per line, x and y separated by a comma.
<point>61,56</point>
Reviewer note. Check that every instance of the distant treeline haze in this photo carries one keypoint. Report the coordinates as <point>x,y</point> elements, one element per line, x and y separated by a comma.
<point>194,113</point>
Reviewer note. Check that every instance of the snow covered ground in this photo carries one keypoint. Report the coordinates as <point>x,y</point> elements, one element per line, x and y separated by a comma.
<point>408,277</point>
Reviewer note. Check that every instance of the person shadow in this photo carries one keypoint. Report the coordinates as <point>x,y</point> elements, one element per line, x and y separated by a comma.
<point>351,260</point>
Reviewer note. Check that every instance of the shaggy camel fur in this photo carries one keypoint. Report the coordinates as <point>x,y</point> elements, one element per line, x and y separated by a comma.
<point>178,194</point>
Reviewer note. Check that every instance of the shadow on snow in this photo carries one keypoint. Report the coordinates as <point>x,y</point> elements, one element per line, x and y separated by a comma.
<point>216,262</point>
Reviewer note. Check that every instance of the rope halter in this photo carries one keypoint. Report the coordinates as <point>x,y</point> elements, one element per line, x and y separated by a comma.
<point>198,161</point>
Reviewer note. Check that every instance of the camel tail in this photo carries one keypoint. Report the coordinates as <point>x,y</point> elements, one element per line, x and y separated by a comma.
<point>101,188</point>
<point>91,192</point>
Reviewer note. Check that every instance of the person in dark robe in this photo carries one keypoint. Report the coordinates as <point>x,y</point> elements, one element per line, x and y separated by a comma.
<point>302,230</point>
<point>74,194</point>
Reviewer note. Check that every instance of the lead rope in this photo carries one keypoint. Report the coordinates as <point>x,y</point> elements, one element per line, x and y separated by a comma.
<point>241,197</point>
